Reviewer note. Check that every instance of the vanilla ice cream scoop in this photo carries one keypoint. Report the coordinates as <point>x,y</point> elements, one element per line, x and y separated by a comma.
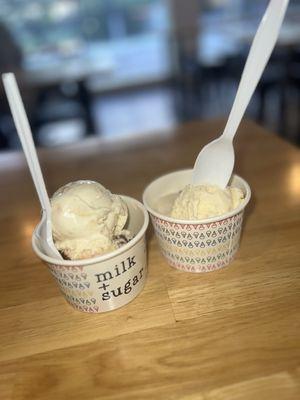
<point>87,220</point>
<point>205,201</point>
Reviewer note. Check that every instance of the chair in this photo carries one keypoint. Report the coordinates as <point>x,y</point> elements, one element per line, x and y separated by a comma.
<point>60,104</point>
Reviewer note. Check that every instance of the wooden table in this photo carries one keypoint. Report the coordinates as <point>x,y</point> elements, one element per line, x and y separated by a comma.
<point>231,334</point>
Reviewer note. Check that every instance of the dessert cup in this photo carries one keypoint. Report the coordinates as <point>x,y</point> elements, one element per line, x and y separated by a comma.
<point>106,282</point>
<point>195,245</point>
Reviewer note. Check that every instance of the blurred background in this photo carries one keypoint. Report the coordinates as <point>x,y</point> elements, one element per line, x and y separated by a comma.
<point>133,67</point>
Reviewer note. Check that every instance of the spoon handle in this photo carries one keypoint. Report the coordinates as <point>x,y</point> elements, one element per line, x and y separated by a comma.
<point>25,135</point>
<point>260,51</point>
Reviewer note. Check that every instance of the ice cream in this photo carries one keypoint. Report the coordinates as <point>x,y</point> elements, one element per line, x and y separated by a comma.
<point>87,220</point>
<point>203,201</point>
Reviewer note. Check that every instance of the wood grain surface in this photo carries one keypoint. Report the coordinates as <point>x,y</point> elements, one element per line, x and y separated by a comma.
<point>231,334</point>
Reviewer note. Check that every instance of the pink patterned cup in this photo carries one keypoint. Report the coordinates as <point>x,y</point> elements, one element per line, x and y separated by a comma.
<point>195,245</point>
<point>109,281</point>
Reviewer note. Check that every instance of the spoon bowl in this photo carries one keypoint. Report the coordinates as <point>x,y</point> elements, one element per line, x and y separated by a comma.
<point>214,163</point>
<point>43,233</point>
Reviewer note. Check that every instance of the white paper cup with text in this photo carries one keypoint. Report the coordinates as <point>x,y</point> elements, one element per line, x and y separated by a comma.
<point>109,281</point>
<point>195,245</point>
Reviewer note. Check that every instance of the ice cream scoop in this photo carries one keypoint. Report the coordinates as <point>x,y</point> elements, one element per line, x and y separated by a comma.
<point>87,220</point>
<point>205,201</point>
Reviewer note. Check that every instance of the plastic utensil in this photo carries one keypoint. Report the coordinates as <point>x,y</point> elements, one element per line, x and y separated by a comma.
<point>215,161</point>
<point>44,229</point>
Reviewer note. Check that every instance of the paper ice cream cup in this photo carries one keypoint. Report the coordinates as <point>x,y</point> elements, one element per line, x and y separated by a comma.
<point>109,281</point>
<point>195,245</point>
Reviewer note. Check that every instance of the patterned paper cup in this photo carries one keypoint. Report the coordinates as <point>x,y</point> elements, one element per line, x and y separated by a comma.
<point>106,282</point>
<point>200,245</point>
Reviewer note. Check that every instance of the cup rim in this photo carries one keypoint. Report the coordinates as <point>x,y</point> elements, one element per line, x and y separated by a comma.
<point>197,221</point>
<point>104,257</point>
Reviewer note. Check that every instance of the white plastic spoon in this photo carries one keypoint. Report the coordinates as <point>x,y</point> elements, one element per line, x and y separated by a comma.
<point>215,161</point>
<point>44,230</point>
